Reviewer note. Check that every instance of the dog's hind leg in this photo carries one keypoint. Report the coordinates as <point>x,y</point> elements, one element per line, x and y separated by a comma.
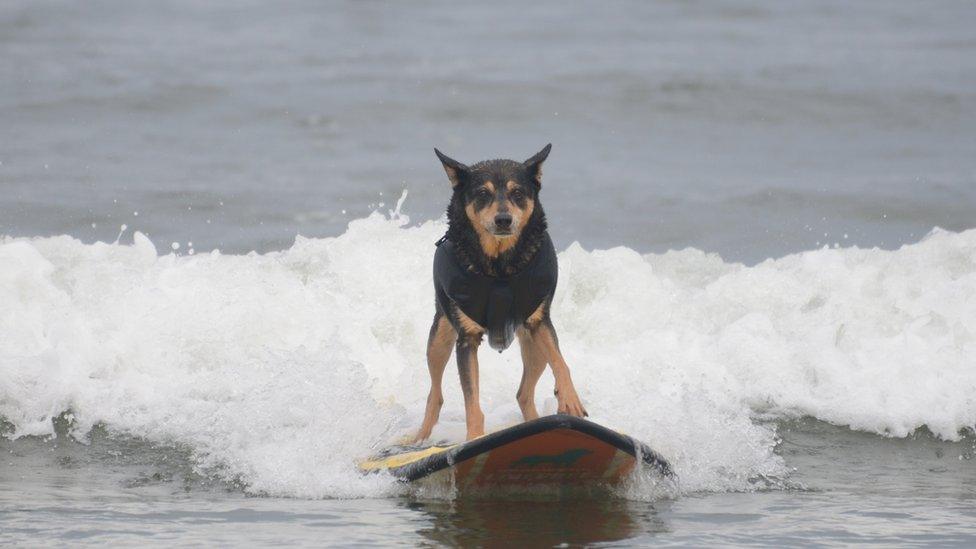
<point>439,344</point>
<point>467,359</point>
<point>533,364</point>
<point>566,396</point>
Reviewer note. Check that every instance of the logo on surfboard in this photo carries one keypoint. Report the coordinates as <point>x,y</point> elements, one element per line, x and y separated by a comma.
<point>565,459</point>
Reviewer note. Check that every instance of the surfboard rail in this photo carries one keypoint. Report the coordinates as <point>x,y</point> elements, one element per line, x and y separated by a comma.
<point>414,465</point>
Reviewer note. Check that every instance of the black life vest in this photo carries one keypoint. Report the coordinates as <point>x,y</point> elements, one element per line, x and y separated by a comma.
<point>498,304</point>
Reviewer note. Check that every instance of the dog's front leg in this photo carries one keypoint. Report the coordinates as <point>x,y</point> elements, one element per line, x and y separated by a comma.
<point>439,343</point>
<point>467,359</point>
<point>566,396</point>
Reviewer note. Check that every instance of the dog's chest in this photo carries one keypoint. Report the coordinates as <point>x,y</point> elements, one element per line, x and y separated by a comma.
<point>499,305</point>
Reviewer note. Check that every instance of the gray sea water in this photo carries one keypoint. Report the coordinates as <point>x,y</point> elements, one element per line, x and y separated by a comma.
<point>750,129</point>
<point>848,488</point>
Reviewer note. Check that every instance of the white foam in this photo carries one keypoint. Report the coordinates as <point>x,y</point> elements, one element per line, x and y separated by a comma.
<point>282,369</point>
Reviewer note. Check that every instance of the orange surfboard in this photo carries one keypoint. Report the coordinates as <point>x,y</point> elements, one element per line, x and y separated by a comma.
<point>556,450</point>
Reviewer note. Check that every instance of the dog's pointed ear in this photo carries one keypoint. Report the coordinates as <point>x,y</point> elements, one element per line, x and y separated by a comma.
<point>534,165</point>
<point>455,170</point>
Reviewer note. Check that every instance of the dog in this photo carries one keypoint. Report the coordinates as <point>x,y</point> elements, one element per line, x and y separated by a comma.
<point>495,275</point>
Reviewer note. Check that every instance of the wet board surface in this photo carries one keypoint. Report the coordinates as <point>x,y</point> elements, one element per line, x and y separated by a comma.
<point>555,450</point>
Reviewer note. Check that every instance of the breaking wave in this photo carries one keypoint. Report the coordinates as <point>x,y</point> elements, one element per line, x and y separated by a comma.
<point>281,370</point>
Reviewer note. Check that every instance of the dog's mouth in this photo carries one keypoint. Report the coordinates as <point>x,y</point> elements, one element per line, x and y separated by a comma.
<point>502,232</point>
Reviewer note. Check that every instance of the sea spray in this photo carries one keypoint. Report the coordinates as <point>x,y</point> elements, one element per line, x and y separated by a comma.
<point>281,370</point>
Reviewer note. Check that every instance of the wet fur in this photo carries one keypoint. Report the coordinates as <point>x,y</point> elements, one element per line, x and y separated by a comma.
<point>482,252</point>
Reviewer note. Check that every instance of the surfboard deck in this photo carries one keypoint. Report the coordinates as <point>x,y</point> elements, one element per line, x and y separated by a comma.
<point>558,450</point>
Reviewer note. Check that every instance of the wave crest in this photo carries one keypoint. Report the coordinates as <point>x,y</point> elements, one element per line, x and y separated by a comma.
<point>282,369</point>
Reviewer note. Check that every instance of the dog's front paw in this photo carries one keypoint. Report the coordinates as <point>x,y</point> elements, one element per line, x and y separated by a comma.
<point>422,434</point>
<point>570,403</point>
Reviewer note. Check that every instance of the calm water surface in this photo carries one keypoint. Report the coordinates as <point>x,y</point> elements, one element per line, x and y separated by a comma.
<point>847,488</point>
<point>751,129</point>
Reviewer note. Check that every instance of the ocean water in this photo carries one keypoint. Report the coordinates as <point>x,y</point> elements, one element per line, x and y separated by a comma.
<point>218,221</point>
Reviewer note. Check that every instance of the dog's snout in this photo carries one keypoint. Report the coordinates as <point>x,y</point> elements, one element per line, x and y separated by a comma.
<point>503,221</point>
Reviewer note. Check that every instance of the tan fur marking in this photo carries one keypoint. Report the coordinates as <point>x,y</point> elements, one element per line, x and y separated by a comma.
<point>519,216</point>
<point>452,175</point>
<point>444,336</point>
<point>529,208</point>
<point>533,364</point>
<point>566,396</point>
<point>469,326</point>
<point>491,245</point>
<point>438,353</point>
<point>488,214</point>
<point>504,244</point>
<point>536,317</point>
<point>473,217</point>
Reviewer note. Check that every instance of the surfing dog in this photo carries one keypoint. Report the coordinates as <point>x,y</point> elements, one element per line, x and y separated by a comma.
<point>495,275</point>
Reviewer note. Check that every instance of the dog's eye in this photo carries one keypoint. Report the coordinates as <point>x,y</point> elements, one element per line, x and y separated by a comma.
<point>517,194</point>
<point>484,193</point>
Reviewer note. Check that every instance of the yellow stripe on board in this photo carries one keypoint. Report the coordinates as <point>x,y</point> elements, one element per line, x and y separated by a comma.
<point>401,459</point>
<point>398,460</point>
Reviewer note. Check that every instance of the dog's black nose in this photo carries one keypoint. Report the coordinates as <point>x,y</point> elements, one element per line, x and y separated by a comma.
<point>503,221</point>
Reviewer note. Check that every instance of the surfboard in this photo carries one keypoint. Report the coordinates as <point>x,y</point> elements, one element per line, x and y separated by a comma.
<point>557,450</point>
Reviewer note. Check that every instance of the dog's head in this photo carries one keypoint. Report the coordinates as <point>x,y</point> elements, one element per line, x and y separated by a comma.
<point>498,197</point>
